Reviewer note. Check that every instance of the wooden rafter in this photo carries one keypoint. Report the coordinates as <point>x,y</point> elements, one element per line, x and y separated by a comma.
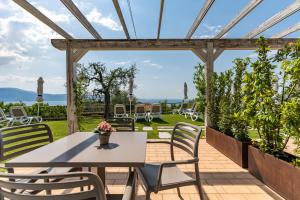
<point>81,18</point>
<point>43,18</point>
<point>121,18</point>
<point>199,18</point>
<point>275,19</point>
<point>162,2</point>
<point>247,9</point>
<point>201,54</point>
<point>288,31</point>
<point>166,44</point>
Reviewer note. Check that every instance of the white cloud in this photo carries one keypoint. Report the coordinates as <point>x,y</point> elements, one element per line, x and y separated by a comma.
<point>152,64</point>
<point>10,56</point>
<point>209,31</point>
<point>97,17</point>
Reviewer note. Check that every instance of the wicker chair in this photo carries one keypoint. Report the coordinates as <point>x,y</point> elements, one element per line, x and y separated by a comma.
<point>155,112</point>
<point>166,175</point>
<point>41,189</point>
<point>140,112</point>
<point>120,111</point>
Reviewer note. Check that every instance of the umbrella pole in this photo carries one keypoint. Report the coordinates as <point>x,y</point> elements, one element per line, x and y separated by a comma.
<point>130,108</point>
<point>38,111</point>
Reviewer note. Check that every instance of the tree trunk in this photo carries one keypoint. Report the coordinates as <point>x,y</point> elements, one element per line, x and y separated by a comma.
<point>106,104</point>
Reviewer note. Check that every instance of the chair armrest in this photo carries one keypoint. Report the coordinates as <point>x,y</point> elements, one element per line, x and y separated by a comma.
<point>172,163</point>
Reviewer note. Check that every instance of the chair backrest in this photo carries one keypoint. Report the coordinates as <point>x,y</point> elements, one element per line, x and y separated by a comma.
<point>119,109</point>
<point>140,108</point>
<point>122,124</point>
<point>17,111</point>
<point>15,141</point>
<point>39,188</point>
<point>2,114</point>
<point>156,108</point>
<point>183,106</point>
<point>193,106</point>
<point>186,137</point>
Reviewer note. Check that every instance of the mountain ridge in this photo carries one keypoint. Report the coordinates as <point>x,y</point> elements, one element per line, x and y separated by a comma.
<point>16,94</point>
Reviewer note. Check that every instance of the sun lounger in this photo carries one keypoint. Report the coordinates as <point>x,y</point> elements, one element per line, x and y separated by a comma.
<point>19,115</point>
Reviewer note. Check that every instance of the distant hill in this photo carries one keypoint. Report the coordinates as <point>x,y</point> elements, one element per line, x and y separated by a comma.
<point>15,94</point>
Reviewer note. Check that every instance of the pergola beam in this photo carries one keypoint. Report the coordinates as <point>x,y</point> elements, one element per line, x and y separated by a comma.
<point>81,18</point>
<point>121,18</point>
<point>162,2</point>
<point>247,9</point>
<point>40,16</point>
<point>201,54</point>
<point>288,31</point>
<point>167,44</point>
<point>275,19</point>
<point>200,17</point>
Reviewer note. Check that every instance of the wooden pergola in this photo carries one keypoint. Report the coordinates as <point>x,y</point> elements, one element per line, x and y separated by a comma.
<point>208,50</point>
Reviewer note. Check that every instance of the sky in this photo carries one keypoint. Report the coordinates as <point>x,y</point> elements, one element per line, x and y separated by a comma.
<point>26,52</point>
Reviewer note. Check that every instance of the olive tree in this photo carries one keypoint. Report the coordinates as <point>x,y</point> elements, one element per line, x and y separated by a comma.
<point>106,81</point>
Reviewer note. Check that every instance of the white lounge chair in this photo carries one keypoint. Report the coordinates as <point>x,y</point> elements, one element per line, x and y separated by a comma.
<point>19,115</point>
<point>120,111</point>
<point>4,120</point>
<point>192,113</point>
<point>182,109</point>
<point>155,112</point>
<point>140,112</point>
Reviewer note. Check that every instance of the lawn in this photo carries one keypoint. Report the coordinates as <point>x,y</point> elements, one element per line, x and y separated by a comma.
<point>59,128</point>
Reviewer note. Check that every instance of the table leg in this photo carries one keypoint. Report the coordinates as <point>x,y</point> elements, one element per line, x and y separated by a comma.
<point>101,174</point>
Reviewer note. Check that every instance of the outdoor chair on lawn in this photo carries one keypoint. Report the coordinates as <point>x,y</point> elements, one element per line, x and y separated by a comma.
<point>122,124</point>
<point>182,109</point>
<point>19,115</point>
<point>120,111</point>
<point>16,141</point>
<point>140,112</point>
<point>155,112</point>
<point>6,121</point>
<point>192,113</point>
<point>166,175</point>
<point>68,189</point>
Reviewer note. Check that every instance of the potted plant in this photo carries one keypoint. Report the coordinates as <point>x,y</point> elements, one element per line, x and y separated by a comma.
<point>272,106</point>
<point>104,130</point>
<point>228,132</point>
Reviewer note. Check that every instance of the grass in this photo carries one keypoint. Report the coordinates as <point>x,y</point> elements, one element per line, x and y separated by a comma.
<point>59,128</point>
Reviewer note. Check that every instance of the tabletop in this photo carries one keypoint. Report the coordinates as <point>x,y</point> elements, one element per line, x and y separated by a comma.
<point>82,149</point>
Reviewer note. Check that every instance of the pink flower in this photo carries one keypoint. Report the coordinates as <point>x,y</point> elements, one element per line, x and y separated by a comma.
<point>104,126</point>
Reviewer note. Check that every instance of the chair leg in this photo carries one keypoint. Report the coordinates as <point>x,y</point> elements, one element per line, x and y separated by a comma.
<point>179,193</point>
<point>200,191</point>
<point>148,195</point>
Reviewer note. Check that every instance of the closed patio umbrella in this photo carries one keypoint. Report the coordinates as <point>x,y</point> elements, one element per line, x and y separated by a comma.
<point>185,91</point>
<point>39,98</point>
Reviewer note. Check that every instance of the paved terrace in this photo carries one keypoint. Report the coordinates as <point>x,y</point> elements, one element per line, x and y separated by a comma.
<point>221,178</point>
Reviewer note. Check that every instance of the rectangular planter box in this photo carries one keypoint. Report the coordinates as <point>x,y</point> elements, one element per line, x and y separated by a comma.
<point>235,150</point>
<point>278,174</point>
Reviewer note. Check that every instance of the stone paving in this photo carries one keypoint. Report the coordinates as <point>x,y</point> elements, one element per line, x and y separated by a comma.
<point>221,178</point>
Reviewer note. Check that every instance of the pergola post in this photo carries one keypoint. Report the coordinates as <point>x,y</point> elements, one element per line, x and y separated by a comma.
<point>71,107</point>
<point>209,69</point>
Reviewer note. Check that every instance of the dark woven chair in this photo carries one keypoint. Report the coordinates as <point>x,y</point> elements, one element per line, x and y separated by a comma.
<point>65,190</point>
<point>16,141</point>
<point>122,124</point>
<point>166,175</point>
